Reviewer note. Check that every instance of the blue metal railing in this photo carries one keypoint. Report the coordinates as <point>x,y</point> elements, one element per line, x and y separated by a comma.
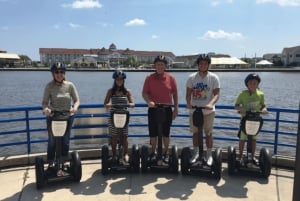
<point>26,126</point>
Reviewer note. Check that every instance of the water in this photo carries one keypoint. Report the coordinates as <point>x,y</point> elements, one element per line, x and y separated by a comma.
<point>26,89</point>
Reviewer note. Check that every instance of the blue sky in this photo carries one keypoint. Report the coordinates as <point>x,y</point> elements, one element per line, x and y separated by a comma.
<point>235,27</point>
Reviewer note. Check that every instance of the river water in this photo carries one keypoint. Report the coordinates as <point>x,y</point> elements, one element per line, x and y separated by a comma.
<point>25,88</point>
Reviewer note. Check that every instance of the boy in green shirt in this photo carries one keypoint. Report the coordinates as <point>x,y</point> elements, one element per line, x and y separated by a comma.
<point>251,99</point>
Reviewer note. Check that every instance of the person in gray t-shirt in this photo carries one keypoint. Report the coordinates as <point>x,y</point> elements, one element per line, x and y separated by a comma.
<point>58,96</point>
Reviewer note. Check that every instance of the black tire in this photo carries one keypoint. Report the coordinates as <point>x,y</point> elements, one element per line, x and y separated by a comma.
<point>265,162</point>
<point>104,157</point>
<point>39,173</point>
<point>173,163</point>
<point>144,158</point>
<point>217,164</point>
<point>185,160</point>
<point>135,159</point>
<point>75,166</point>
<point>231,160</point>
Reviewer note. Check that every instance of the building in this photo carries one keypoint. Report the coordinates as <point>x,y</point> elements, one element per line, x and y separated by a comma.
<point>291,56</point>
<point>8,59</point>
<point>100,58</point>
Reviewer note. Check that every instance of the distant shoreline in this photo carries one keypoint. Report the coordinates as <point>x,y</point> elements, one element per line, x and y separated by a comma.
<point>294,69</point>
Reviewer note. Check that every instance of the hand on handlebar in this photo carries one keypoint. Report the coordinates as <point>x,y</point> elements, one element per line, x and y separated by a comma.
<point>47,111</point>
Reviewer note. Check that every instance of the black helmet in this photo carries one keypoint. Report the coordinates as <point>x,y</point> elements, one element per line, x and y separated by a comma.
<point>119,73</point>
<point>252,76</point>
<point>161,58</point>
<point>203,57</point>
<point>58,66</point>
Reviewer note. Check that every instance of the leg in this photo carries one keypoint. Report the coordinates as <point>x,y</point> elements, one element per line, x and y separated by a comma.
<point>153,142</point>
<point>166,141</point>
<point>241,148</point>
<point>51,144</point>
<point>114,141</point>
<point>66,139</point>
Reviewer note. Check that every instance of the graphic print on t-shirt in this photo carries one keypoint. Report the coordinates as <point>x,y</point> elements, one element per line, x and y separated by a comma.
<point>200,91</point>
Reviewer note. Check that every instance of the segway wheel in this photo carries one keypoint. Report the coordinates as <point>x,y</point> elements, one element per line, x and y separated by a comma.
<point>173,163</point>
<point>231,160</point>
<point>39,173</point>
<point>104,157</point>
<point>144,158</point>
<point>265,162</point>
<point>135,159</point>
<point>75,165</point>
<point>185,160</point>
<point>217,164</point>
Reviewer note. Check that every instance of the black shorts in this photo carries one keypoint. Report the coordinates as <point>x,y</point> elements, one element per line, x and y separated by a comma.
<point>153,126</point>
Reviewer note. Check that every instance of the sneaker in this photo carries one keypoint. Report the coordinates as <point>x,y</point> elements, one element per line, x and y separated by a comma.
<point>255,161</point>
<point>166,158</point>
<point>60,173</point>
<point>209,161</point>
<point>195,156</point>
<point>241,162</point>
<point>126,158</point>
<point>114,159</point>
<point>152,156</point>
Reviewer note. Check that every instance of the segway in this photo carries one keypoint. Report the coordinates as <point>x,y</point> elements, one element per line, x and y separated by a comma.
<point>73,170</point>
<point>157,163</point>
<point>200,165</point>
<point>120,119</point>
<point>251,124</point>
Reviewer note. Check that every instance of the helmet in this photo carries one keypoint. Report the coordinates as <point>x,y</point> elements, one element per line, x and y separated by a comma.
<point>252,76</point>
<point>58,66</point>
<point>119,73</point>
<point>161,58</point>
<point>203,57</point>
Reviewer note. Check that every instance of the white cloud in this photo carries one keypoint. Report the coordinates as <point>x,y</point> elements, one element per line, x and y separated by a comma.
<point>74,26</point>
<point>220,34</point>
<point>281,2</point>
<point>135,22</point>
<point>79,4</point>
<point>154,36</point>
<point>218,2</point>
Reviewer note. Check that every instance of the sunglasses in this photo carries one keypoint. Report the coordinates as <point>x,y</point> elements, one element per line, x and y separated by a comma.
<point>59,71</point>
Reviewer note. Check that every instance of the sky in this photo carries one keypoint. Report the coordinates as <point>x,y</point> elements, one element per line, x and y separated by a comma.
<point>239,28</point>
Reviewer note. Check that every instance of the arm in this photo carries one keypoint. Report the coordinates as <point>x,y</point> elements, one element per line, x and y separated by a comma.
<point>130,99</point>
<point>107,98</point>
<point>175,100</point>
<point>188,95</point>
<point>214,100</point>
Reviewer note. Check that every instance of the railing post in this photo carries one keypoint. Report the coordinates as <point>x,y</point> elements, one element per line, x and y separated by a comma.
<point>296,192</point>
<point>276,132</point>
<point>28,132</point>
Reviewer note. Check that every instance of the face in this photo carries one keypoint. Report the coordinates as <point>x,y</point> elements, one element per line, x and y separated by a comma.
<point>119,81</point>
<point>59,75</point>
<point>160,67</point>
<point>203,66</point>
<point>252,85</point>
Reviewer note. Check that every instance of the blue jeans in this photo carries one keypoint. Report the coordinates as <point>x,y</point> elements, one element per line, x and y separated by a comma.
<point>65,142</point>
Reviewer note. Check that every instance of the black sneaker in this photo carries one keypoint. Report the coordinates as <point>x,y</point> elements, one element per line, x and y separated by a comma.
<point>166,158</point>
<point>255,161</point>
<point>153,157</point>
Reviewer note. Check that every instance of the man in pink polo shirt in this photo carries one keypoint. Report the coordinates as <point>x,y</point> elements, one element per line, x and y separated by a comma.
<point>160,87</point>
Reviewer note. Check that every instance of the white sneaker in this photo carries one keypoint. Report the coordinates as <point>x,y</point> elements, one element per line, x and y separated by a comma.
<point>126,158</point>
<point>195,156</point>
<point>209,161</point>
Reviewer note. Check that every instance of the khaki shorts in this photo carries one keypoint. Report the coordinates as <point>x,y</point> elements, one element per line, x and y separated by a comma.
<point>207,126</point>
